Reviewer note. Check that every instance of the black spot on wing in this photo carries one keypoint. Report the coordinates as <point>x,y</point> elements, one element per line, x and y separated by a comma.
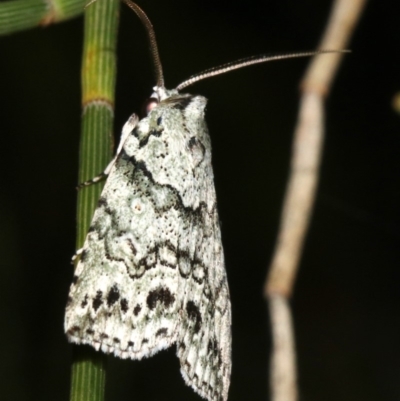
<point>194,315</point>
<point>213,347</point>
<point>83,256</point>
<point>113,295</point>
<point>73,330</point>
<point>137,309</point>
<point>162,332</point>
<point>124,305</point>
<point>84,301</point>
<point>102,202</point>
<point>97,301</point>
<point>160,295</point>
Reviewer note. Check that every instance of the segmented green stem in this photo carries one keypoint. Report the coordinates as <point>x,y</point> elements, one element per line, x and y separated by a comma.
<point>98,87</point>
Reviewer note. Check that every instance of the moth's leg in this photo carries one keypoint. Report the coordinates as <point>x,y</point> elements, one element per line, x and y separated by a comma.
<point>126,130</point>
<point>76,256</point>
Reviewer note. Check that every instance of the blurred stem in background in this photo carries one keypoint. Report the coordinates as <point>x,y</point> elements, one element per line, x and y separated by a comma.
<point>19,15</point>
<point>300,195</point>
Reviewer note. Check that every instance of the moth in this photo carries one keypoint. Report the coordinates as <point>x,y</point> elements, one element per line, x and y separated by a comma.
<point>151,272</point>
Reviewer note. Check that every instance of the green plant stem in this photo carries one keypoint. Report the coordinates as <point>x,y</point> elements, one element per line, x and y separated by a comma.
<point>98,87</point>
<point>24,14</point>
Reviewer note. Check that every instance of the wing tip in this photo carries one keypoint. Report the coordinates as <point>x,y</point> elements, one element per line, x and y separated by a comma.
<point>204,389</point>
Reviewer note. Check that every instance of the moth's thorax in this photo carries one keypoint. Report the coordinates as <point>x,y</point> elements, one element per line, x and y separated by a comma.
<point>193,103</point>
<point>160,93</point>
<point>174,143</point>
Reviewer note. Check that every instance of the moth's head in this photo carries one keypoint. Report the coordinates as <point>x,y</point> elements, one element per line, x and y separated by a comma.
<point>159,94</point>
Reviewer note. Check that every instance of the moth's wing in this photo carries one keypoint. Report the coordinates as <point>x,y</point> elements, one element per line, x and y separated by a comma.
<point>204,338</point>
<point>125,294</point>
<point>204,344</point>
<point>152,268</point>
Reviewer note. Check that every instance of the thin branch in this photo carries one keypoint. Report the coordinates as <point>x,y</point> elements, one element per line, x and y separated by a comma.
<point>396,102</point>
<point>283,377</point>
<point>300,194</point>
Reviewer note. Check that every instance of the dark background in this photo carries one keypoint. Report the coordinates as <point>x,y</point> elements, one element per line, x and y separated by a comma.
<point>346,302</point>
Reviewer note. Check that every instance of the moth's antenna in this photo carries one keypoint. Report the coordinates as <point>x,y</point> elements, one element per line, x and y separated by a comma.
<point>244,62</point>
<point>152,39</point>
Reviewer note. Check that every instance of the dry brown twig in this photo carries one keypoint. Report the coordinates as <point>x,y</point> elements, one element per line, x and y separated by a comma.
<point>300,195</point>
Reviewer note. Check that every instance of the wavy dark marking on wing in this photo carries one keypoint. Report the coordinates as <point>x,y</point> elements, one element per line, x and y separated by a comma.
<point>157,133</point>
<point>197,213</point>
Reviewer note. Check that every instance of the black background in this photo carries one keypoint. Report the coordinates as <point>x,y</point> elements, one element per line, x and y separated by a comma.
<point>346,302</point>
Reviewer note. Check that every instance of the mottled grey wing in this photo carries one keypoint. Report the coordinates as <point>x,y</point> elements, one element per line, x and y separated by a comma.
<point>124,299</point>
<point>204,341</point>
<point>152,271</point>
<point>204,338</point>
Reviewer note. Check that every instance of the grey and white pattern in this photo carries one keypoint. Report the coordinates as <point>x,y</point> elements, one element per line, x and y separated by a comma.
<point>151,272</point>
